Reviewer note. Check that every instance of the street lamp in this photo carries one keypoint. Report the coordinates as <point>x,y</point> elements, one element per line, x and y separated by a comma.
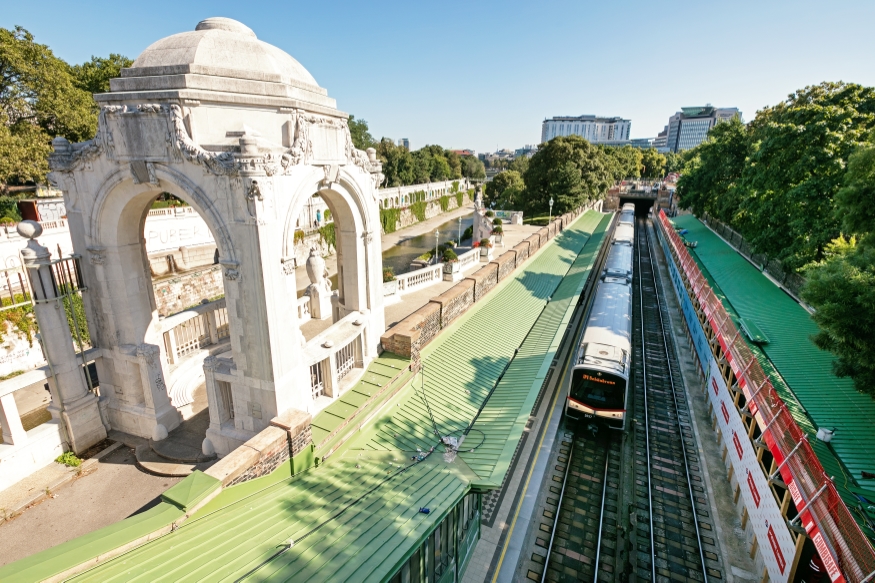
<point>436,235</point>
<point>460,230</point>
<point>551,209</point>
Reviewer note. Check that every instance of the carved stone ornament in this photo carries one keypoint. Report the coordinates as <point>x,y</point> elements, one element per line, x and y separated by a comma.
<point>232,274</point>
<point>288,266</point>
<point>146,353</point>
<point>97,256</point>
<point>211,363</point>
<point>367,237</point>
<point>220,163</point>
<point>254,191</point>
<point>366,160</point>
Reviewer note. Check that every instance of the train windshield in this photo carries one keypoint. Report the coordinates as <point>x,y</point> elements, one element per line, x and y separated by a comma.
<point>598,390</point>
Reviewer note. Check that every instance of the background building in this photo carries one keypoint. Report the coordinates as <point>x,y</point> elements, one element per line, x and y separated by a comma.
<point>597,130</point>
<point>404,142</point>
<point>690,126</point>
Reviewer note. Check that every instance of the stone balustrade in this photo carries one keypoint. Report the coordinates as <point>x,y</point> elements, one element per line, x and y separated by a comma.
<point>333,354</point>
<point>196,327</point>
<point>401,196</point>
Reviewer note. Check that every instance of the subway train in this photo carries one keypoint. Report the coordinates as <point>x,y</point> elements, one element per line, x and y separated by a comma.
<point>599,387</point>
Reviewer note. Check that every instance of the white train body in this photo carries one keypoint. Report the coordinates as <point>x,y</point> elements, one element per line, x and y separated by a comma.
<point>600,375</point>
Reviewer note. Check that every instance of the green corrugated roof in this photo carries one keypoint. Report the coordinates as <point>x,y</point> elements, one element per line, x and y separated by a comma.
<point>800,372</point>
<point>462,365</point>
<point>503,420</point>
<point>381,523</point>
<point>364,513</point>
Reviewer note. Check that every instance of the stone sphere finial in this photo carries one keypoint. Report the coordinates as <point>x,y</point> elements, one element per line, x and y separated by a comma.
<point>29,229</point>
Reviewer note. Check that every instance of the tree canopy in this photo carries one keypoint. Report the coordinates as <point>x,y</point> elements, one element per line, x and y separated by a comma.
<point>841,287</point>
<point>569,170</point>
<point>431,163</point>
<point>504,190</point>
<point>798,183</point>
<point>775,179</point>
<point>361,135</point>
<point>652,164</point>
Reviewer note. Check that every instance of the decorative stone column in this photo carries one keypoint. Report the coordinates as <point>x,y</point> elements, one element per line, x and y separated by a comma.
<point>155,397</point>
<point>319,289</point>
<point>77,407</point>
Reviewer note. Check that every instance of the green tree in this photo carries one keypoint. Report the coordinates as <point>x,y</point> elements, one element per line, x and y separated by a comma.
<point>520,164</point>
<point>569,170</point>
<point>361,135</point>
<point>494,190</point>
<point>622,162</point>
<point>652,164</point>
<point>800,148</point>
<point>93,76</point>
<point>714,167</point>
<point>39,99</point>
<point>674,162</point>
<point>472,168</point>
<point>398,164</point>
<point>841,287</point>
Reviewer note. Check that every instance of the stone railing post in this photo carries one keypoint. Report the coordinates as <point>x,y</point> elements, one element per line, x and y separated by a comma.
<point>78,408</point>
<point>214,329</point>
<point>13,430</point>
<point>214,403</point>
<point>170,343</point>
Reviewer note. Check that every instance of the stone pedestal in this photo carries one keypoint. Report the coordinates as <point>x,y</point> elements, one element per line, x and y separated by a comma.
<point>71,400</point>
<point>320,302</point>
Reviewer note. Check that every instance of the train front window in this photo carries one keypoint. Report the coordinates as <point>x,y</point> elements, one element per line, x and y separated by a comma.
<point>598,390</point>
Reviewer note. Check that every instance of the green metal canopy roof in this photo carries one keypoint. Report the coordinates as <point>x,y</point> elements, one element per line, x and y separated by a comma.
<point>800,372</point>
<point>357,517</point>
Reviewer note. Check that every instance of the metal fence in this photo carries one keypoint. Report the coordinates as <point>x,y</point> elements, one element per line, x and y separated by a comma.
<point>823,513</point>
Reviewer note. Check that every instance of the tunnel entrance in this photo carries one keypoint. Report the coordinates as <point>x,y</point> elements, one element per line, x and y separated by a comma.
<point>642,205</point>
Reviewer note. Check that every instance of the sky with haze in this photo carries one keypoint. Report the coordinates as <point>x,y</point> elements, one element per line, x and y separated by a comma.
<point>484,74</point>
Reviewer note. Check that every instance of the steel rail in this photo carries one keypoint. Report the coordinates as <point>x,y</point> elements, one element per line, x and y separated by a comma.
<point>656,284</point>
<point>646,415</point>
<point>598,542</point>
<point>558,510</point>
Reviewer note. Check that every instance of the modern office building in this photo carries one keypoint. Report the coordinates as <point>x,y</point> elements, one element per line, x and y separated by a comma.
<point>404,142</point>
<point>597,130</point>
<point>689,127</point>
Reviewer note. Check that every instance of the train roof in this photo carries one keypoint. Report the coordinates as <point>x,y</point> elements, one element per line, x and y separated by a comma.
<point>610,319</point>
<point>629,206</point>
<point>619,260</point>
<point>624,233</point>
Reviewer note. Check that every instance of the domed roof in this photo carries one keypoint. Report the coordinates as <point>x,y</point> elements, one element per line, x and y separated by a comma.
<point>223,44</point>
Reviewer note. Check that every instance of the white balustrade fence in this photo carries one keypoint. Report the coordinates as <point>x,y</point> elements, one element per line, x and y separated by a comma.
<point>191,330</point>
<point>402,196</point>
<point>304,309</point>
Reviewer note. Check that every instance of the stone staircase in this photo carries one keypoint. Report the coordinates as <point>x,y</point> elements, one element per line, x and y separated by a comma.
<point>171,458</point>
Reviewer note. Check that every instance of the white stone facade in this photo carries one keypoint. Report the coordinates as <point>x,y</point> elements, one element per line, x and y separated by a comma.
<point>596,130</point>
<point>241,132</point>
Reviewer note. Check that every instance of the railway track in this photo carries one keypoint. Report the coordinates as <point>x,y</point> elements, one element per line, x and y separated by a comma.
<point>632,509</point>
<point>673,532</point>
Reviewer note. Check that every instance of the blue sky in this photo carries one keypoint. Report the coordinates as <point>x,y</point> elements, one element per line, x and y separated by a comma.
<point>484,74</point>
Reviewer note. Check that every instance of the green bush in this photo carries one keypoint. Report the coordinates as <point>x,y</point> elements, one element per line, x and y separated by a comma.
<point>445,203</point>
<point>326,216</point>
<point>389,219</point>
<point>485,242</point>
<point>449,255</point>
<point>490,214</point>
<point>496,221</point>
<point>74,303</point>
<point>21,318</point>
<point>327,234</point>
<point>498,229</point>
<point>299,236</point>
<point>455,187</point>
<point>418,210</point>
<point>460,199</point>
<point>68,458</point>
<point>467,233</point>
<point>388,274</point>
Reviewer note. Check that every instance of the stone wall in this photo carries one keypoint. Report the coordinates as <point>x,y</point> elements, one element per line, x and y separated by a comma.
<point>484,279</point>
<point>416,330</point>
<point>432,209</point>
<point>455,301</point>
<point>522,251</point>
<point>287,436</point>
<point>175,293</point>
<point>506,263</point>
